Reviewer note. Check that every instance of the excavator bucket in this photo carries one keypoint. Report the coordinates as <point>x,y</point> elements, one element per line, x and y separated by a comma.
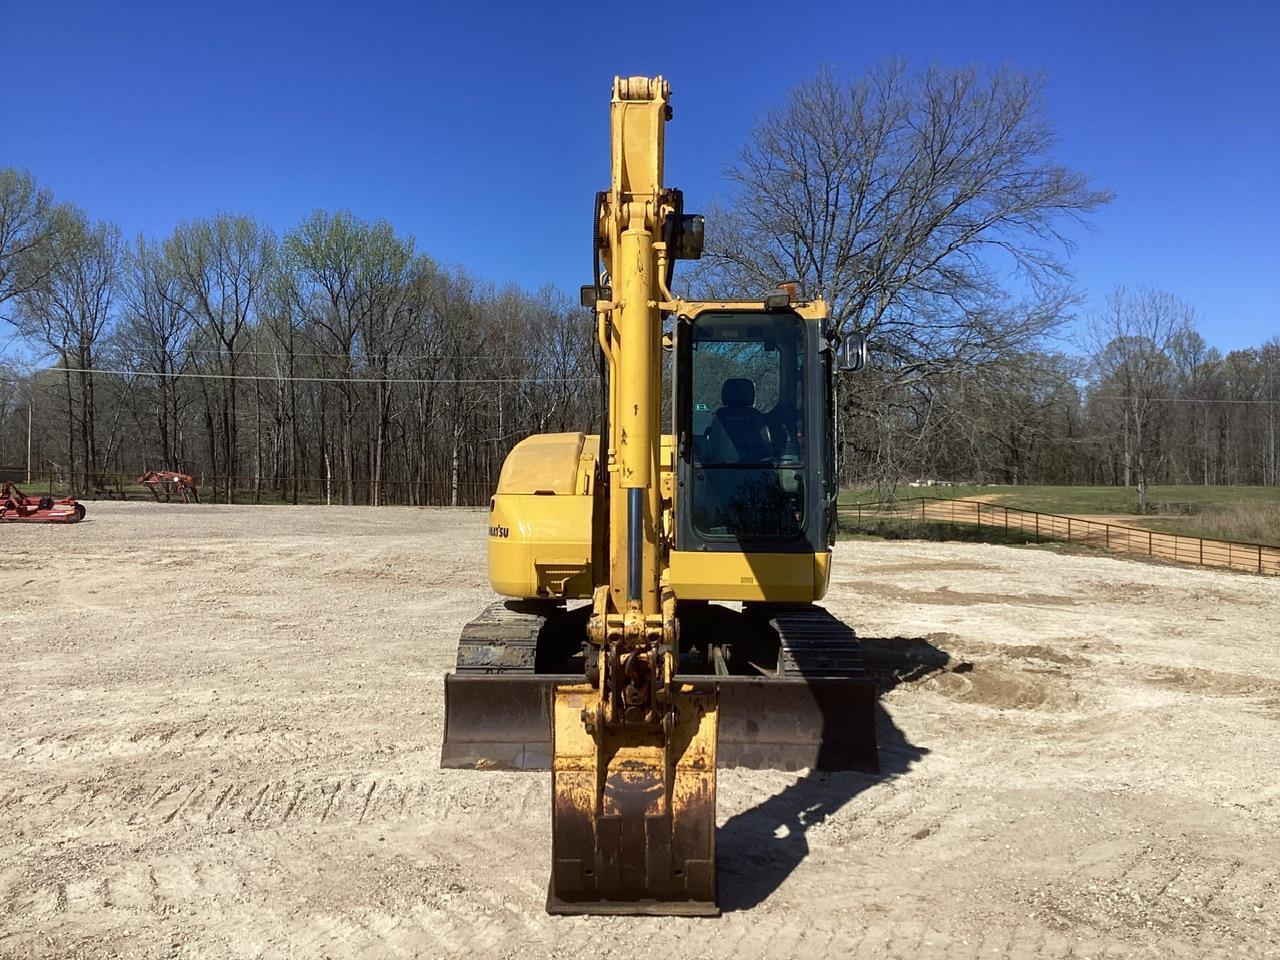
<point>633,811</point>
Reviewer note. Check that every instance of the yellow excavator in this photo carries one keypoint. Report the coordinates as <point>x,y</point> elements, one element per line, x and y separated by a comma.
<point>660,616</point>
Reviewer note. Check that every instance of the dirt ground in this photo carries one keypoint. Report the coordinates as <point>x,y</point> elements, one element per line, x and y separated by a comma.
<point>220,730</point>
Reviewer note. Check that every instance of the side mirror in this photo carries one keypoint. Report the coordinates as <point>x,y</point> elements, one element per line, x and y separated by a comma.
<point>851,354</point>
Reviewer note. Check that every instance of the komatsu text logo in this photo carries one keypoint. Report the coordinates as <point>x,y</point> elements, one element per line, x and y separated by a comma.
<point>499,532</point>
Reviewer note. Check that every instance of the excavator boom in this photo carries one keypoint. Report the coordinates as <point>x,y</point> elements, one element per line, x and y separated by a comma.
<point>634,753</point>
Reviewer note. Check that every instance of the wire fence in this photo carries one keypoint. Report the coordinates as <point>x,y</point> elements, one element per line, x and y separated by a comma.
<point>211,488</point>
<point>1032,524</point>
<point>1202,551</point>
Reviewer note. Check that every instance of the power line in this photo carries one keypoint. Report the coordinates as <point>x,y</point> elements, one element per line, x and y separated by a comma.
<point>500,380</point>
<point>332,379</point>
<point>356,355</point>
<point>100,371</point>
<point>1181,399</point>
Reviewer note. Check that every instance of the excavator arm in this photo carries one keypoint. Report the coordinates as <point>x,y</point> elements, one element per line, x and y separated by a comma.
<point>634,751</point>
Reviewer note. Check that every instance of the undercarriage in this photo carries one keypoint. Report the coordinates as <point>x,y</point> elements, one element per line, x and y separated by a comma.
<point>794,690</point>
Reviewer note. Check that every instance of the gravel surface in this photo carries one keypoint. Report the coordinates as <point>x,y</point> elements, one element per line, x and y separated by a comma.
<point>220,732</point>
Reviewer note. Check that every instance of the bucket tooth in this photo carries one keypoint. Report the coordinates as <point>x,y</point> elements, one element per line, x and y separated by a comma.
<point>633,810</point>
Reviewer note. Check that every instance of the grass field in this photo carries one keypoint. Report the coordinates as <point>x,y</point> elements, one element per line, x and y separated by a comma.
<point>1249,514</point>
<point>940,532</point>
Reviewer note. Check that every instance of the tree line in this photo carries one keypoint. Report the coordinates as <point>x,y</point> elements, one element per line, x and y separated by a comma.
<point>1143,399</point>
<point>337,360</point>
<point>928,210</point>
<point>334,360</point>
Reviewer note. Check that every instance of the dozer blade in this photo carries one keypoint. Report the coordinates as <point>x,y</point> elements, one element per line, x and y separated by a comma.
<point>794,723</point>
<point>497,706</point>
<point>498,721</point>
<point>633,812</point>
<point>818,711</point>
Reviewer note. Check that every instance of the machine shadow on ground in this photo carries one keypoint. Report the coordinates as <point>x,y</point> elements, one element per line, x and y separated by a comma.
<point>759,848</point>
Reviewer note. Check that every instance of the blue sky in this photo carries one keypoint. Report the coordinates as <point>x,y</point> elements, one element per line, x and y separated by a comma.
<point>482,128</point>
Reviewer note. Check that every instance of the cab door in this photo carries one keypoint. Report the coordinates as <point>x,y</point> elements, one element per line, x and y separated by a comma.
<point>751,430</point>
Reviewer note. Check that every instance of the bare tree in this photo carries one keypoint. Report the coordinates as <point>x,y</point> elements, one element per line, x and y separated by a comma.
<point>221,265</point>
<point>388,283</point>
<point>26,226</point>
<point>895,197</point>
<point>350,279</point>
<point>154,336</point>
<point>323,253</point>
<point>15,394</point>
<point>69,309</point>
<point>443,373</point>
<point>279,323</point>
<point>902,199</point>
<point>1269,357</point>
<point>1134,343</point>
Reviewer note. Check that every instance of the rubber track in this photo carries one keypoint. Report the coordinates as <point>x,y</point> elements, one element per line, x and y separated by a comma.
<point>503,639</point>
<point>813,643</point>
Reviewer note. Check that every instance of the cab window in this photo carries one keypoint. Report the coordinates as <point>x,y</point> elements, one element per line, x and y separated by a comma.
<point>748,437</point>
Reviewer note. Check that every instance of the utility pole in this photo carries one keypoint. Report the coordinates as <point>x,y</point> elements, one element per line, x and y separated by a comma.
<point>28,441</point>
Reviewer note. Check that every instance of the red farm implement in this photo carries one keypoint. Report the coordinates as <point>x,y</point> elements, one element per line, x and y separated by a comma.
<point>17,507</point>
<point>166,484</point>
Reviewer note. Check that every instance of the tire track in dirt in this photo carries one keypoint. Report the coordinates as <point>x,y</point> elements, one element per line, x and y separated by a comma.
<point>169,739</point>
<point>258,802</point>
<point>252,771</point>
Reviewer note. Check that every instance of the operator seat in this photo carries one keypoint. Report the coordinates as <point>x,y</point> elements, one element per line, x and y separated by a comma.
<point>739,432</point>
